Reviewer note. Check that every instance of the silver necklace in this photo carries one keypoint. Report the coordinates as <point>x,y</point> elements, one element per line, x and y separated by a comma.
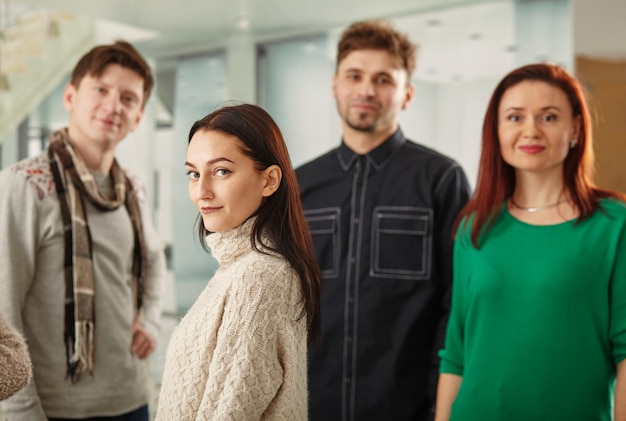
<point>535,209</point>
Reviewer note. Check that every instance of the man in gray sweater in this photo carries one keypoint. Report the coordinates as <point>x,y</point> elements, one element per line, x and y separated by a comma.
<point>81,266</point>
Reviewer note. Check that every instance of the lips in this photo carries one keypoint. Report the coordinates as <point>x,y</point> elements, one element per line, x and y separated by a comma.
<point>532,149</point>
<point>207,210</point>
<point>363,106</point>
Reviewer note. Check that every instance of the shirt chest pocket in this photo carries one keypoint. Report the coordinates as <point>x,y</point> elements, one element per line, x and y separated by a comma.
<point>324,225</point>
<point>401,243</point>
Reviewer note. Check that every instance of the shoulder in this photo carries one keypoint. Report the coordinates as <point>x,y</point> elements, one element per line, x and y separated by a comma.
<point>612,208</point>
<point>34,172</point>
<point>414,149</point>
<point>316,163</point>
<point>269,276</point>
<point>136,184</point>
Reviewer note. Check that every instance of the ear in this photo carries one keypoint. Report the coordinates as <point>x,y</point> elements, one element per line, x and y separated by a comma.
<point>408,95</point>
<point>576,127</point>
<point>69,96</point>
<point>272,177</point>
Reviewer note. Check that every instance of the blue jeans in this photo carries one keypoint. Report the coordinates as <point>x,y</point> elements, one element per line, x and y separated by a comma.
<point>139,414</point>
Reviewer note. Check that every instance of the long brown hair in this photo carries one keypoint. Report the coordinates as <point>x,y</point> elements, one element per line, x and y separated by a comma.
<point>496,178</point>
<point>280,216</point>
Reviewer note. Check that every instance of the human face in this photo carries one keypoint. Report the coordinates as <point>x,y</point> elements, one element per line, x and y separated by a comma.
<point>224,183</point>
<point>104,109</point>
<point>371,89</point>
<point>536,127</point>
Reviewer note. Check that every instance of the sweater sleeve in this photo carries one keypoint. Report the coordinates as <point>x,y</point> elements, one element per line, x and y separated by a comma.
<point>452,358</point>
<point>617,328</point>
<point>19,222</point>
<point>15,368</point>
<point>156,271</point>
<point>246,370</point>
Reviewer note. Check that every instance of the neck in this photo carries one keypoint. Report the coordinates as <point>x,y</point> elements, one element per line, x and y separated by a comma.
<point>97,159</point>
<point>362,142</point>
<point>533,193</point>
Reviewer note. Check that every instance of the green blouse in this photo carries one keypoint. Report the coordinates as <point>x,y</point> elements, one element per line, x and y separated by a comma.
<point>538,319</point>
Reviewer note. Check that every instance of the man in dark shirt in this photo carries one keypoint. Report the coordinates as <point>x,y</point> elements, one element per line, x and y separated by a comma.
<point>381,210</point>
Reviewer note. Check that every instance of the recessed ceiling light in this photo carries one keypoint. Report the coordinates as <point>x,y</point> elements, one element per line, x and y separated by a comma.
<point>433,22</point>
<point>475,36</point>
<point>243,22</point>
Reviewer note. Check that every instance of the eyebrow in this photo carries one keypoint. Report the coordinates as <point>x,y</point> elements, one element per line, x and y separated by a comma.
<point>549,107</point>
<point>210,162</point>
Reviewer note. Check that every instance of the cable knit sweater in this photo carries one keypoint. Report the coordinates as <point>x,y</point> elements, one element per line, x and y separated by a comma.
<point>15,368</point>
<point>240,351</point>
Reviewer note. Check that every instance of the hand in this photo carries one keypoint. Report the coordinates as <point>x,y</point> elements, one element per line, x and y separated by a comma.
<point>143,343</point>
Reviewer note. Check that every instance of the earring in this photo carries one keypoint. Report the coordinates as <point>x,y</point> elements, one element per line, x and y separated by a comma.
<point>573,143</point>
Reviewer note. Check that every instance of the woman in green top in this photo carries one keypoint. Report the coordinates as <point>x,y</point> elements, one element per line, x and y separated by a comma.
<point>537,329</point>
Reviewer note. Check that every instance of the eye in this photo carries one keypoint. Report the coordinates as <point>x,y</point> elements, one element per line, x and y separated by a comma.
<point>192,175</point>
<point>550,117</point>
<point>222,172</point>
<point>514,118</point>
<point>129,99</point>
<point>382,80</point>
<point>353,77</point>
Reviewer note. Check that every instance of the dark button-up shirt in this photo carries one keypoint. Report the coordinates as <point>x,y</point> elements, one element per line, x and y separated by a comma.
<point>382,228</point>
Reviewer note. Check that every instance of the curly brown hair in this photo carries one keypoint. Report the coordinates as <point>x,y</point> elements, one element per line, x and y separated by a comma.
<point>378,35</point>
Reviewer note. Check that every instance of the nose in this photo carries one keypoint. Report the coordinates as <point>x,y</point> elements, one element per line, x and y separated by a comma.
<point>201,189</point>
<point>113,102</point>
<point>366,88</point>
<point>531,130</point>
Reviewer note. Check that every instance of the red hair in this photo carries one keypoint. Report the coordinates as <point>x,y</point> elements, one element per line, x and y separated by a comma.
<point>496,178</point>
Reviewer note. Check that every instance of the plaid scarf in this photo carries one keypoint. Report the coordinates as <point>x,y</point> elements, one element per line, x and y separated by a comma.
<point>75,183</point>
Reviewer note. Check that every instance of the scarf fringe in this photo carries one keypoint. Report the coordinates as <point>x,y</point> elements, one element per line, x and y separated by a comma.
<point>81,359</point>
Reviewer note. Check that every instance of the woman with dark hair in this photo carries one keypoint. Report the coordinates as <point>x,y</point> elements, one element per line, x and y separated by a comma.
<point>537,329</point>
<point>240,351</point>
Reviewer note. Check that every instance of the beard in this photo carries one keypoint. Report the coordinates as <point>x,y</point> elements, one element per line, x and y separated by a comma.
<point>362,122</point>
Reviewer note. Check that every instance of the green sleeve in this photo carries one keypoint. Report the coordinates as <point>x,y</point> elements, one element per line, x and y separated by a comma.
<point>452,357</point>
<point>617,328</point>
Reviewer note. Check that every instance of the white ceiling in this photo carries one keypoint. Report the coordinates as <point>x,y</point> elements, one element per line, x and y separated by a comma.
<point>187,25</point>
<point>458,39</point>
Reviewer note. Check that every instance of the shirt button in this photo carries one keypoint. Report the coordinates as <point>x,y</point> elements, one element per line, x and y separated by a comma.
<point>346,379</point>
<point>352,260</point>
<point>356,221</point>
<point>349,340</point>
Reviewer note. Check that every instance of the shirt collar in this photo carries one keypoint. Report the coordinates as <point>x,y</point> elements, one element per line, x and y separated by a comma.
<point>378,157</point>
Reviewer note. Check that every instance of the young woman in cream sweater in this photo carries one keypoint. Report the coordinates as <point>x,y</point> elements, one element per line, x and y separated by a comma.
<point>240,351</point>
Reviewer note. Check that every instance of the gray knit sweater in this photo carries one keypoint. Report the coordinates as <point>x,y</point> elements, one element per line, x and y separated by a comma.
<point>32,290</point>
<point>15,369</point>
<point>240,352</point>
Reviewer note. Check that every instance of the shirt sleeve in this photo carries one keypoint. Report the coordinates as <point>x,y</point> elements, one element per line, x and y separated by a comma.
<point>452,193</point>
<point>19,221</point>
<point>246,370</point>
<point>452,357</point>
<point>156,272</point>
<point>617,327</point>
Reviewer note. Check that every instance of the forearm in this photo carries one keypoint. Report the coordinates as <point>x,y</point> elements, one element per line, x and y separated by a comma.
<point>447,390</point>
<point>620,392</point>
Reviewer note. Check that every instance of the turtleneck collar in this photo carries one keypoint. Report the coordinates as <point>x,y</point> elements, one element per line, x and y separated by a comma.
<point>228,246</point>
